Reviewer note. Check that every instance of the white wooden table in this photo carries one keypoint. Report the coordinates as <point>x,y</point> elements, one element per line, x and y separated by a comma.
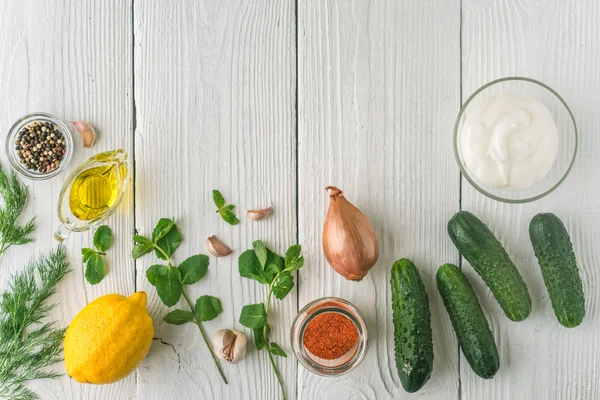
<point>271,101</point>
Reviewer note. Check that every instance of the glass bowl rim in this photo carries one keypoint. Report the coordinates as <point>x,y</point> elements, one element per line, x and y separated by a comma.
<point>344,308</point>
<point>464,171</point>
<point>13,131</point>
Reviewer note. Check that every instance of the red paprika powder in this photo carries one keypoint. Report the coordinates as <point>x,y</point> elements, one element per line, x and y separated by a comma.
<point>330,335</point>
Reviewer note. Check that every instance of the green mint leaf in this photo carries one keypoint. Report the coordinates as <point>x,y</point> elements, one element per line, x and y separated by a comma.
<point>259,338</point>
<point>261,252</point>
<point>228,215</point>
<point>169,242</point>
<point>141,249</point>
<point>193,269</point>
<point>297,264</point>
<point>249,267</point>
<point>142,240</point>
<point>226,211</point>
<point>292,253</point>
<point>274,266</point>
<point>94,269</point>
<point>103,238</point>
<point>162,228</point>
<point>208,308</point>
<point>87,253</point>
<point>271,272</point>
<point>228,207</point>
<point>179,317</point>
<point>253,316</point>
<point>169,287</point>
<point>283,286</point>
<point>293,259</point>
<point>276,350</point>
<point>218,199</point>
<point>152,272</point>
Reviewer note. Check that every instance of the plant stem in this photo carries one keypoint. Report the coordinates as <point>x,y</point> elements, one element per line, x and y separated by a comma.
<point>197,321</point>
<point>163,253</point>
<point>4,248</point>
<point>277,373</point>
<point>7,354</point>
<point>265,335</point>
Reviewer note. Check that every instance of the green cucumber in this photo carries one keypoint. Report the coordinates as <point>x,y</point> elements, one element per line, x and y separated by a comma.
<point>472,329</point>
<point>413,343</point>
<point>483,251</point>
<point>554,251</point>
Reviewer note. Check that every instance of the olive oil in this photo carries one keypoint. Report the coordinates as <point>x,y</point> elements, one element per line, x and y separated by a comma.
<point>96,190</point>
<point>92,192</point>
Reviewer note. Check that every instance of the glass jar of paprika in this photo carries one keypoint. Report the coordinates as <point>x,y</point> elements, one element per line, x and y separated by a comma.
<point>329,336</point>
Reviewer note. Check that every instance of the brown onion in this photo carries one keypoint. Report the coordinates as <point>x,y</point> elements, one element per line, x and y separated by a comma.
<point>349,240</point>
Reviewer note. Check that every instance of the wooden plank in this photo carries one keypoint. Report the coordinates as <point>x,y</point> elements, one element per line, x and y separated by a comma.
<point>378,94</point>
<point>73,60</point>
<point>215,94</point>
<point>556,42</point>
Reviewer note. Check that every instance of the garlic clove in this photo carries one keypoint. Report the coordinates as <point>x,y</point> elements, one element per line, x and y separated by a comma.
<point>87,133</point>
<point>230,345</point>
<point>216,247</point>
<point>260,214</point>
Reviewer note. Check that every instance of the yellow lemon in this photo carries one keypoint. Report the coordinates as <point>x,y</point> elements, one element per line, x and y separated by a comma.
<point>108,339</point>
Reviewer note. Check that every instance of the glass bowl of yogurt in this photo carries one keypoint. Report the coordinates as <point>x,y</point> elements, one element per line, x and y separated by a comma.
<point>515,140</point>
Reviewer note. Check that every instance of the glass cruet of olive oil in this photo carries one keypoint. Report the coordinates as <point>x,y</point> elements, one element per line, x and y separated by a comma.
<point>92,192</point>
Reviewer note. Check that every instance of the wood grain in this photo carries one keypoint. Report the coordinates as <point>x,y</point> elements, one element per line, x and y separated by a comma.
<point>555,42</point>
<point>378,93</point>
<point>215,94</point>
<point>73,60</point>
<point>379,86</point>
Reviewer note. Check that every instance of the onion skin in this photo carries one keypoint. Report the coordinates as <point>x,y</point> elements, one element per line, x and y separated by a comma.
<point>350,242</point>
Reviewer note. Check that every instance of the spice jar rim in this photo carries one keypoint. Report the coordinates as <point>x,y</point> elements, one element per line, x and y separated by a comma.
<point>318,307</point>
<point>12,156</point>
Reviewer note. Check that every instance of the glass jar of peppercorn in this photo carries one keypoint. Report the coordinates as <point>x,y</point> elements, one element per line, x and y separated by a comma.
<point>329,336</point>
<point>39,146</point>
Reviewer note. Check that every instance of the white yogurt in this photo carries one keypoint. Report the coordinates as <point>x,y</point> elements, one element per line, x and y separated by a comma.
<point>509,141</point>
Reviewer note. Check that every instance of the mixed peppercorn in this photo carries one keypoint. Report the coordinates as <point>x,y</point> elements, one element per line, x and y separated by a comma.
<point>40,146</point>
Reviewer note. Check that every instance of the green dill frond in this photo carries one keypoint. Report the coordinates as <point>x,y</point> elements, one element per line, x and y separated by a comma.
<point>14,195</point>
<point>23,356</point>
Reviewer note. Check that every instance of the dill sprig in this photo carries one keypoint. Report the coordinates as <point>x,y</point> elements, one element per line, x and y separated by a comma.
<point>15,195</point>
<point>27,345</point>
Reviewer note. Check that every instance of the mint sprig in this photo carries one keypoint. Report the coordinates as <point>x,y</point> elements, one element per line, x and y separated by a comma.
<point>170,280</point>
<point>267,268</point>
<point>225,210</point>
<point>95,268</point>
